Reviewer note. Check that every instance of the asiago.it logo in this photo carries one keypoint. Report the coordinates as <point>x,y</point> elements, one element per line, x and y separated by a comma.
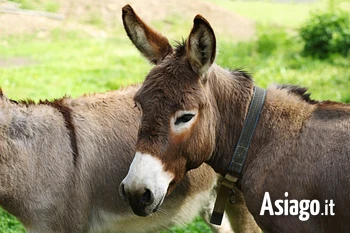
<point>301,208</point>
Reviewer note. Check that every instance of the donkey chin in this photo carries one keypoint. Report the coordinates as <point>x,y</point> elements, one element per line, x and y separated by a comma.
<point>145,191</point>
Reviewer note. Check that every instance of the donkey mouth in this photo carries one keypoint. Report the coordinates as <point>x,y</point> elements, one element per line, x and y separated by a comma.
<point>140,212</point>
<point>144,211</point>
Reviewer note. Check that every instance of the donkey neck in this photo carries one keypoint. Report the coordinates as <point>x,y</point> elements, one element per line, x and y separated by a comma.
<point>282,117</point>
<point>231,95</point>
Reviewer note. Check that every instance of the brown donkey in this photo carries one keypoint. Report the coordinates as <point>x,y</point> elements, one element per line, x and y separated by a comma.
<point>61,163</point>
<point>193,112</point>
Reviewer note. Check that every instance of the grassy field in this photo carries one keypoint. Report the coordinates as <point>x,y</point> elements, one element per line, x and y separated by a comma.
<point>73,63</point>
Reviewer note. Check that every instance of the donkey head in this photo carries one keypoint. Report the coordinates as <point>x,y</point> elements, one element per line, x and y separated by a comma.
<point>176,133</point>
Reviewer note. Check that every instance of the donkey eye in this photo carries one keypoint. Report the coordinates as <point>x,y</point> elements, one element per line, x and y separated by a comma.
<point>184,118</point>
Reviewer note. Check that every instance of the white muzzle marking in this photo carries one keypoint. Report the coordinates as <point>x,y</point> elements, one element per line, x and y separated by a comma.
<point>147,172</point>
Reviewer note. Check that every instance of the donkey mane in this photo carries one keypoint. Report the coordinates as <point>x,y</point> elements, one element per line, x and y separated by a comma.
<point>241,72</point>
<point>299,91</point>
<point>57,102</point>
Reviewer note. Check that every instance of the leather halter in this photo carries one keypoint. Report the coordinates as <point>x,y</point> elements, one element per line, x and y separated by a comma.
<point>235,168</point>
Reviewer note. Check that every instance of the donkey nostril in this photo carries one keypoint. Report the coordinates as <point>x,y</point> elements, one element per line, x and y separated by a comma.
<point>147,197</point>
<point>122,192</point>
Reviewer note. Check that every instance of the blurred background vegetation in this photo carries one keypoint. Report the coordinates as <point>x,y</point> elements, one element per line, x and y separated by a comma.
<point>49,48</point>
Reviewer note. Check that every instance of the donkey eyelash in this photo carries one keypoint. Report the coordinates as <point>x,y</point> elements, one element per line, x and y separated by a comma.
<point>184,118</point>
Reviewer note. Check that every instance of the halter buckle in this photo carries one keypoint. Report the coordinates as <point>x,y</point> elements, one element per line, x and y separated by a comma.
<point>225,193</point>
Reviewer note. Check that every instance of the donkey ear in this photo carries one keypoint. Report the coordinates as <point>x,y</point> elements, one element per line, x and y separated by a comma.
<point>150,43</point>
<point>201,45</point>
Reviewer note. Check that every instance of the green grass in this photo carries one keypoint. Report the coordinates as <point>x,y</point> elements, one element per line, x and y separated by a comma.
<point>73,63</point>
<point>52,6</point>
<point>275,59</point>
<point>9,224</point>
<point>69,64</point>
<point>197,226</point>
<point>95,19</point>
<point>269,12</point>
<point>43,5</point>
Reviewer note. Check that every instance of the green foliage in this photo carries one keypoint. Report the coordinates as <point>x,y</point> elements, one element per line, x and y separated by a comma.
<point>94,18</point>
<point>197,226</point>
<point>52,6</point>
<point>70,63</point>
<point>8,224</point>
<point>25,4</point>
<point>326,33</point>
<point>43,5</point>
<point>281,13</point>
<point>274,57</point>
<point>268,41</point>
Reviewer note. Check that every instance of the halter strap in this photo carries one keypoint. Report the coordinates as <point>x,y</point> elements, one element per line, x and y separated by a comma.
<point>239,156</point>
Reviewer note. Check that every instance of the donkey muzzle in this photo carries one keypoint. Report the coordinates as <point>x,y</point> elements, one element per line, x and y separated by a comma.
<point>139,200</point>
